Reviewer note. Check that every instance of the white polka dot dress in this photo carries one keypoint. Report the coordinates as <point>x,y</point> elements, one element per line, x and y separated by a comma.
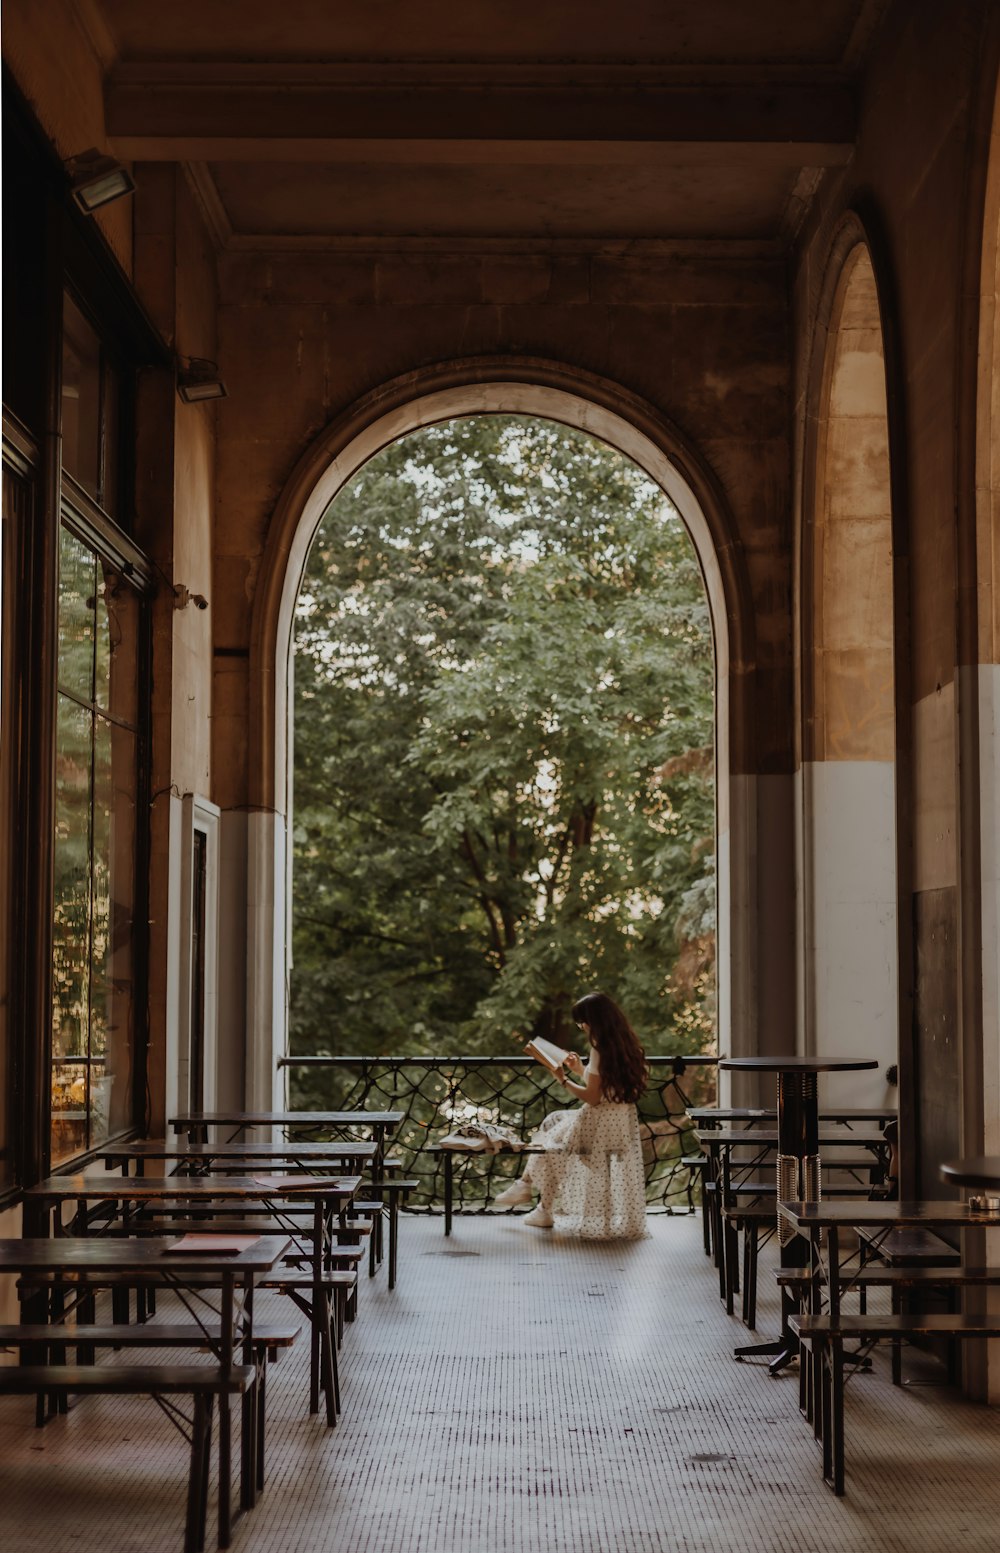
<point>591,1175</point>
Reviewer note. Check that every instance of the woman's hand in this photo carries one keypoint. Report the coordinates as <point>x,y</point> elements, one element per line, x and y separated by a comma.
<point>575,1063</point>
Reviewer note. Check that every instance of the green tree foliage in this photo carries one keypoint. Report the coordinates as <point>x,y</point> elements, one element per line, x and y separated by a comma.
<point>504,783</point>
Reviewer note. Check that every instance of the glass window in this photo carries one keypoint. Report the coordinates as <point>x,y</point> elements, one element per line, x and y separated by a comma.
<point>81,399</point>
<point>16,507</point>
<point>90,409</point>
<point>95,852</point>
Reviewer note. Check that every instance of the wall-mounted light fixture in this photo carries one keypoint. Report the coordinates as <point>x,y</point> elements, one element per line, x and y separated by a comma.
<point>183,597</point>
<point>198,379</point>
<point>96,179</point>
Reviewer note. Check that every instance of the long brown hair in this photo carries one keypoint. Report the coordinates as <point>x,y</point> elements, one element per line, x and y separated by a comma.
<point>623,1061</point>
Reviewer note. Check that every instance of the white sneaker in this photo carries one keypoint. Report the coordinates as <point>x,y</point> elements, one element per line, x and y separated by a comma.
<point>517,1192</point>
<point>539,1218</point>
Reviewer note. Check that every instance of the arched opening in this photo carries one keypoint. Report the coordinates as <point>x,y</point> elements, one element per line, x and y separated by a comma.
<point>850,969</point>
<point>325,469</point>
<point>503,752</point>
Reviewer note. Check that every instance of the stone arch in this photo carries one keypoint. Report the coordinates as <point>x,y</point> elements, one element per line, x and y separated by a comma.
<point>605,411</point>
<point>849,884</point>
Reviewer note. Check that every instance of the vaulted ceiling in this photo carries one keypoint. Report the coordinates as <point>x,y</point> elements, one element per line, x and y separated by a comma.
<point>306,123</point>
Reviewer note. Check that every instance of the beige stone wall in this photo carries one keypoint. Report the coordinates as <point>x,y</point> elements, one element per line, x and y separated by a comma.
<point>912,189</point>
<point>302,337</point>
<point>851,572</point>
<point>57,52</point>
<point>175,278</point>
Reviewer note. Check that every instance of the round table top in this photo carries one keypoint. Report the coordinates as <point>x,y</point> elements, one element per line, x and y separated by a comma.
<point>792,1064</point>
<point>977,1170</point>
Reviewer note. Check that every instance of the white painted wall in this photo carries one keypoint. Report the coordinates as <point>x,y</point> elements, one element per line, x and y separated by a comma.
<point>266,994</point>
<point>849,856</point>
<point>232,1061</point>
<point>989,776</point>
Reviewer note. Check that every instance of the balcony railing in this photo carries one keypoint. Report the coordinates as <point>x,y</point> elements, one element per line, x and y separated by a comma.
<point>438,1094</point>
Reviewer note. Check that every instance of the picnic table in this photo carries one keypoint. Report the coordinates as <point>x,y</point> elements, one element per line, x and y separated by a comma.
<point>235,1158</point>
<point>736,1199</point>
<point>450,1151</point>
<point>197,1123</point>
<point>153,1262</point>
<point>978,1170</point>
<point>798,1161</point>
<point>716,1116</point>
<point>134,1196</point>
<point>209,1158</point>
<point>825,1332</point>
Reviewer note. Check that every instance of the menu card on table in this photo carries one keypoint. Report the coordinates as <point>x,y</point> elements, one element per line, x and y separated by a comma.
<point>213,1245</point>
<point>294,1183</point>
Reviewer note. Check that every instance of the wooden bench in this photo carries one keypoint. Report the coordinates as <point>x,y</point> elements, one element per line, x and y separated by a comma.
<point>827,1335</point>
<point>52,1341</point>
<point>203,1385</point>
<point>697,1167</point>
<point>899,1280</point>
<point>449,1155</point>
<point>338,1287</point>
<point>751,1207</point>
<point>907,1248</point>
<point>396,1190</point>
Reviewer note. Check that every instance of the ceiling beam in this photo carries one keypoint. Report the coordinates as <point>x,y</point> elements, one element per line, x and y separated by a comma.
<point>190,113</point>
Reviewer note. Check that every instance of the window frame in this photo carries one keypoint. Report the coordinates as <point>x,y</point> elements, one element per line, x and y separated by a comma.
<point>54,249</point>
<point>86,521</point>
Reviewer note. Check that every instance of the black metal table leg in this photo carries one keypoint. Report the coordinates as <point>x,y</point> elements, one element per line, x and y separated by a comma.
<point>798,1151</point>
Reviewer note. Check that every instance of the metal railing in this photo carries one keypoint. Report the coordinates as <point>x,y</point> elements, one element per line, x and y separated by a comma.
<point>438,1094</point>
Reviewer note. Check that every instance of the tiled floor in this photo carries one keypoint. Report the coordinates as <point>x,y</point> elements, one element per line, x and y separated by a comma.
<point>522,1394</point>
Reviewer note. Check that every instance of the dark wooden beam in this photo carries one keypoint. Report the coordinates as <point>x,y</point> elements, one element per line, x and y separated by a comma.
<point>232,112</point>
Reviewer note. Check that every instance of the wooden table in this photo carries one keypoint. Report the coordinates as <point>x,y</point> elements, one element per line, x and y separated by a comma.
<point>382,1124</point>
<point>207,1158</point>
<point>151,1263</point>
<point>449,1155</point>
<point>729,1173</point>
<point>798,1162</point>
<point>715,1116</point>
<point>812,1219</point>
<point>827,1332</point>
<point>43,1204</point>
<point>982,1170</point>
<point>196,1123</point>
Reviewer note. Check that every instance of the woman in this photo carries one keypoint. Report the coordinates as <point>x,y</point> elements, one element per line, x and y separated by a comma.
<point>591,1177</point>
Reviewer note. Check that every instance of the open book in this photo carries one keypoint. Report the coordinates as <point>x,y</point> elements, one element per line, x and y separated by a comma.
<point>547,1053</point>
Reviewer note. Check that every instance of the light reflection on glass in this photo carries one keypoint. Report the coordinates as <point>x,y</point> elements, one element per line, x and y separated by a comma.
<point>77,609</point>
<point>71,906</point>
<point>81,399</point>
<point>95,829</point>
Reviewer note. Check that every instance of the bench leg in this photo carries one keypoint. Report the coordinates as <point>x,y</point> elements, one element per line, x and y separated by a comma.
<point>374,1249</point>
<point>750,1231</point>
<point>225,1471</point>
<point>393,1238</point>
<point>261,1441</point>
<point>248,1444</point>
<point>824,1411</point>
<point>730,1251</point>
<point>197,1498</point>
<point>328,1358</point>
<point>837,1412</point>
<point>706,1231</point>
<point>314,1354</point>
<point>449,1187</point>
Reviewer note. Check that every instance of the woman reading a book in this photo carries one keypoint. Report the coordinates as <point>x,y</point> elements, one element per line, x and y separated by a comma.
<point>590,1180</point>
